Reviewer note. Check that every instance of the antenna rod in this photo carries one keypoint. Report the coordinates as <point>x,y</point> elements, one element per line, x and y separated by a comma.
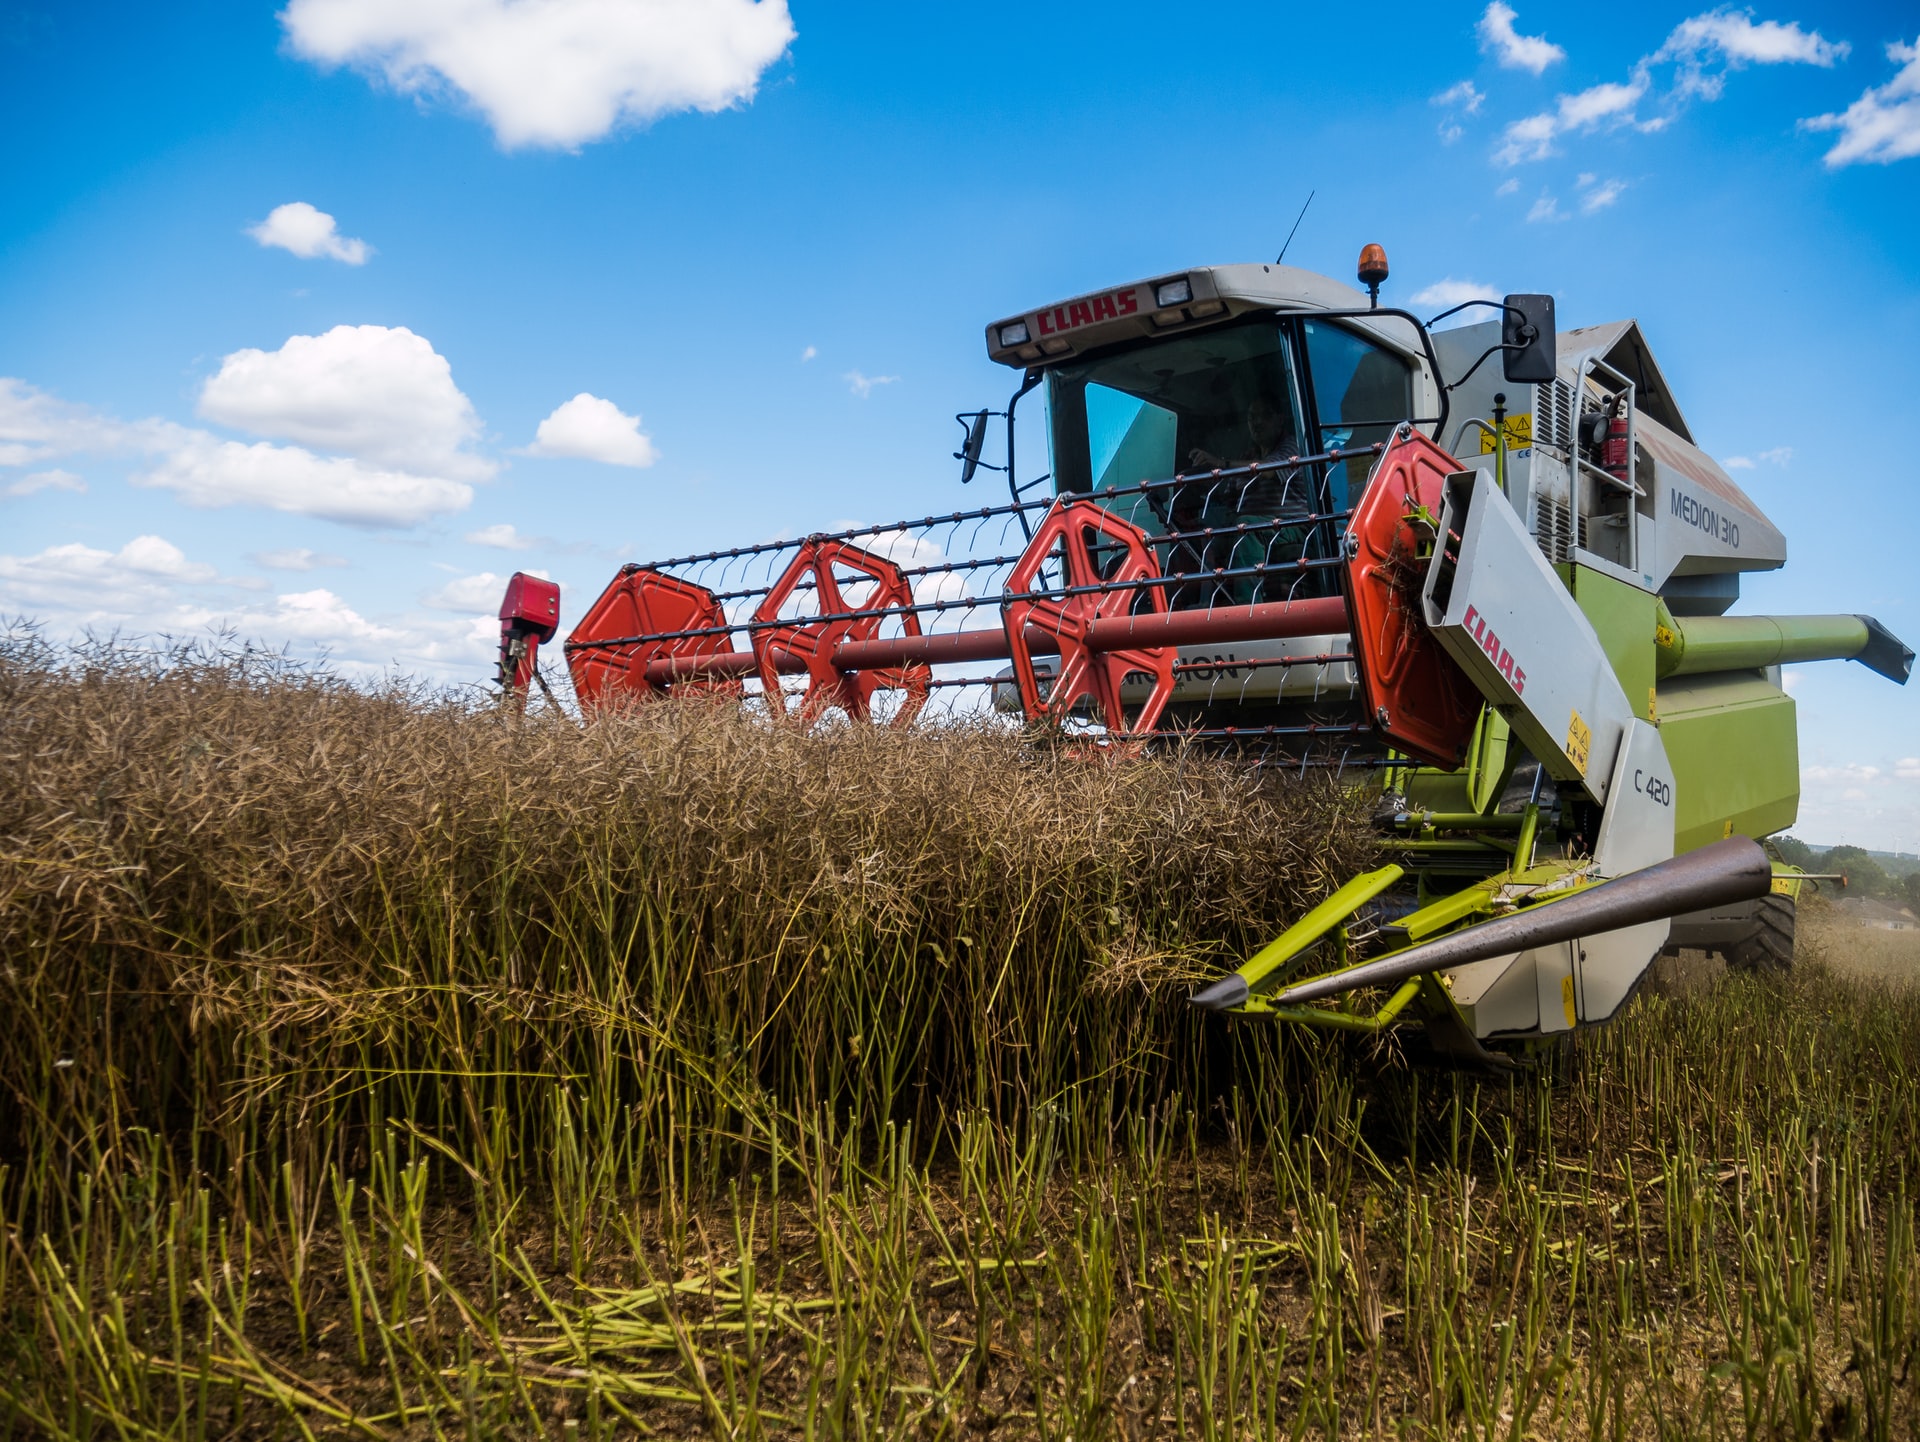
<point>1296,226</point>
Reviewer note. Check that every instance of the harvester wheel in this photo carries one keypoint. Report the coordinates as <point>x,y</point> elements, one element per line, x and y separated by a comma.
<point>1771,947</point>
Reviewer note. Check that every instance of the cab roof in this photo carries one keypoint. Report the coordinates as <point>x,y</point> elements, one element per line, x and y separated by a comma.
<point>1054,333</point>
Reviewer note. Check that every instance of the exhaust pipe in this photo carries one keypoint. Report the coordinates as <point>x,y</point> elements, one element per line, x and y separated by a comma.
<point>1727,871</point>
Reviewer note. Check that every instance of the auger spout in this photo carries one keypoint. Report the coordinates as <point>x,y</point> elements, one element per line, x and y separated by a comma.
<point>1696,645</point>
<point>1727,871</point>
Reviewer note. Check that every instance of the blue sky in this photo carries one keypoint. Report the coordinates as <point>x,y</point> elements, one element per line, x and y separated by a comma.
<point>317,321</point>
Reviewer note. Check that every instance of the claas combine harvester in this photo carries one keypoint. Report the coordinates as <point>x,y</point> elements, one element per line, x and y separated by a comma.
<point>1288,521</point>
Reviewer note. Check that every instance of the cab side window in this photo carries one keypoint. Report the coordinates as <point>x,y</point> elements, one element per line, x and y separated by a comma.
<point>1361,391</point>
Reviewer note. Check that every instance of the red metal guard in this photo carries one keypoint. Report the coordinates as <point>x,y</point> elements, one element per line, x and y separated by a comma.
<point>648,604</point>
<point>1071,531</point>
<point>815,641</point>
<point>1419,698</point>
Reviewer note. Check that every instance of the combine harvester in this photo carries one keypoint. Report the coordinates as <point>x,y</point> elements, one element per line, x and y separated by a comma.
<point>1289,521</point>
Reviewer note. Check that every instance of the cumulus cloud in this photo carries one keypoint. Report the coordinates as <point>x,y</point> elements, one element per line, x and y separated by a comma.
<point>808,354</point>
<point>1883,125</point>
<point>588,428</point>
<point>376,393</point>
<point>1907,768</point>
<point>1732,37</point>
<point>1509,186</point>
<point>382,396</point>
<point>297,558</point>
<point>1512,49</point>
<point>1445,294</point>
<point>1546,209</point>
<point>502,537</point>
<point>557,73</point>
<point>54,480</point>
<point>470,594</point>
<point>149,587</point>
<point>207,472</point>
<point>862,385</point>
<point>308,233</point>
<point>81,585</point>
<point>1701,51</point>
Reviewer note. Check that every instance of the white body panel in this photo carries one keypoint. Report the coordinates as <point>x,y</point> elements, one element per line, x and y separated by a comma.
<point>1515,629</point>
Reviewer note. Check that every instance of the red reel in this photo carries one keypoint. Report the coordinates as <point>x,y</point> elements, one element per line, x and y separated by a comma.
<point>814,641</point>
<point>643,602</point>
<point>1070,534</point>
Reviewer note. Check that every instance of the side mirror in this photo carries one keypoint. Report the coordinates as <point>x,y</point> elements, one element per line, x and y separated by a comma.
<point>1530,344</point>
<point>968,455</point>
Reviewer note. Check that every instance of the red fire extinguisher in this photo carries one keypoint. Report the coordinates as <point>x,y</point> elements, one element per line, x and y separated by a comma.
<point>1613,450</point>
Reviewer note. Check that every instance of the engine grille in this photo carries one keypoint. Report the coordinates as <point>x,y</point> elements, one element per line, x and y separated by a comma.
<point>1553,415</point>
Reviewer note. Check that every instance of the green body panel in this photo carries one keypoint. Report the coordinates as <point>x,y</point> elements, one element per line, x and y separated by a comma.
<point>1699,645</point>
<point>1623,617</point>
<point>1735,751</point>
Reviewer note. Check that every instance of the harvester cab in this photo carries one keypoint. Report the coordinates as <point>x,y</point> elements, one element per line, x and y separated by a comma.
<point>1285,520</point>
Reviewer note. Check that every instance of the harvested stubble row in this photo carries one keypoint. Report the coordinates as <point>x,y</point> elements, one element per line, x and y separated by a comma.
<point>378,1067</point>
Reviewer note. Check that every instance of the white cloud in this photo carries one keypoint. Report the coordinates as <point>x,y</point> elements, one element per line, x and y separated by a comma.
<point>1462,96</point>
<point>1509,186</point>
<point>862,385</point>
<point>1907,768</point>
<point>555,73</point>
<point>35,426</point>
<point>1514,50</point>
<point>309,234</point>
<point>1445,294</point>
<point>916,552</point>
<point>54,480</point>
<point>381,395</point>
<point>1600,196</point>
<point>808,354</point>
<point>298,558</point>
<point>502,537</point>
<point>473,595</point>
<point>86,586</point>
<point>1546,208</point>
<point>1883,125</point>
<point>150,588</point>
<point>1729,38</point>
<point>1778,456</point>
<point>207,472</point>
<point>1735,39</point>
<point>590,429</point>
<point>1790,680</point>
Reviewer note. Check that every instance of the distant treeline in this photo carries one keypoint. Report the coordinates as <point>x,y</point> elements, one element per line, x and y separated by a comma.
<point>1895,878</point>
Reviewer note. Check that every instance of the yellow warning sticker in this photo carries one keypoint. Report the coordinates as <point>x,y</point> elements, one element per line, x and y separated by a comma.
<point>1653,705</point>
<point>1727,830</point>
<point>1786,885</point>
<point>1566,1000</point>
<point>1663,636</point>
<point>1519,433</point>
<point>1579,742</point>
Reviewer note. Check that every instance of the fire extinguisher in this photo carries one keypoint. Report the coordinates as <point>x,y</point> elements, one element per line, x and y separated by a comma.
<point>1613,450</point>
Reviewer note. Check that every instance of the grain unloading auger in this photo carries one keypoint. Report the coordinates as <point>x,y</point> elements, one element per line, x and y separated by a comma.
<point>1269,532</point>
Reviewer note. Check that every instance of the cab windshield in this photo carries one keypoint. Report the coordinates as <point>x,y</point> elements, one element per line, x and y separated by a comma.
<point>1222,398</point>
<point>1256,392</point>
